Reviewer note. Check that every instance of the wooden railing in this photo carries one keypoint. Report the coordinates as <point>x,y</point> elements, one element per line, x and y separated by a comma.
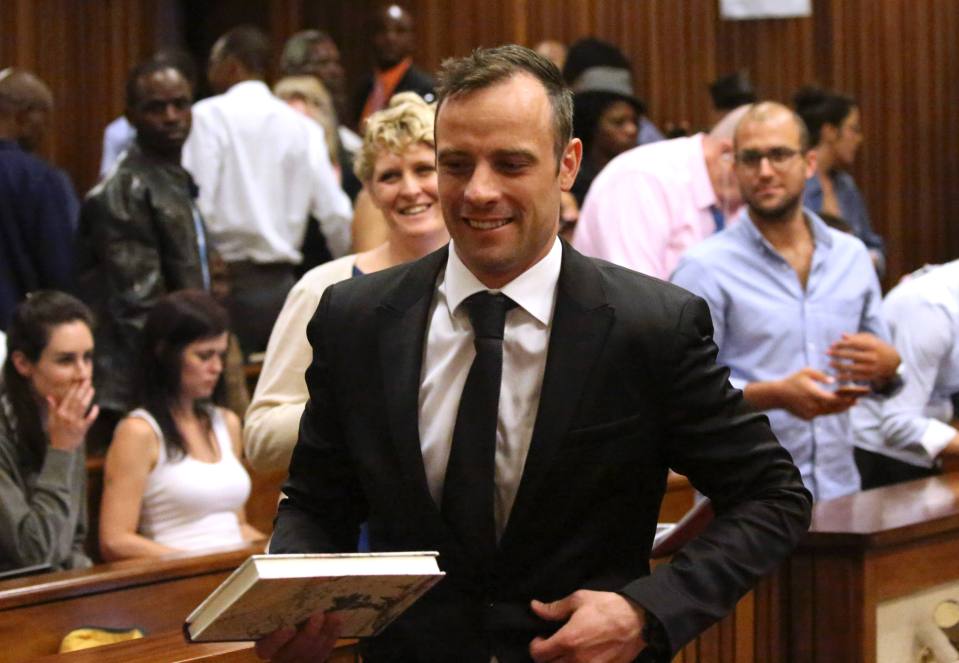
<point>152,594</point>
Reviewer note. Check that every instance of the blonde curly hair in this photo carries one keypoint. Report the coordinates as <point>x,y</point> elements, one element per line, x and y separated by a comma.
<point>406,121</point>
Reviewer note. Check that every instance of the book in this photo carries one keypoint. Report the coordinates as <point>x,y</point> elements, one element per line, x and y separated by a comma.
<point>267,592</point>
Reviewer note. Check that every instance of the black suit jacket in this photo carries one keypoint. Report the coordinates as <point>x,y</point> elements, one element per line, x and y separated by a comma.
<point>631,389</point>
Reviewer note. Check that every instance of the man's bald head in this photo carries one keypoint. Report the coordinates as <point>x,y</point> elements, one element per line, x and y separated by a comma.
<point>772,111</point>
<point>19,90</point>
<point>25,105</point>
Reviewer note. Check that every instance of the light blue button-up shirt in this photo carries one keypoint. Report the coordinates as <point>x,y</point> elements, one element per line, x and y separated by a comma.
<point>852,209</point>
<point>767,326</point>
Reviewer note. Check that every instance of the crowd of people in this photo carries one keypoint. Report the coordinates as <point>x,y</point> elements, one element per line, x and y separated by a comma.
<point>221,227</point>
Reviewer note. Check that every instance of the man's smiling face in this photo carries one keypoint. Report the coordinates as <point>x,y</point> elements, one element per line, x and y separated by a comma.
<point>499,183</point>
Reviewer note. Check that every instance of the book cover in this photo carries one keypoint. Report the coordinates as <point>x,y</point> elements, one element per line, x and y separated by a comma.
<point>267,592</point>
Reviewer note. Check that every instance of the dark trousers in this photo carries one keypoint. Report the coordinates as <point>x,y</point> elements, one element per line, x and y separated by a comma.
<point>877,470</point>
<point>257,293</point>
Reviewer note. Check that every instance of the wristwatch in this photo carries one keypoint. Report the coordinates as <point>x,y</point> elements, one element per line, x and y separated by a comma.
<point>893,385</point>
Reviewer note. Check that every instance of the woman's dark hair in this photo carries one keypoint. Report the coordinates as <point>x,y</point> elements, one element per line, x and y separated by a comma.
<point>588,108</point>
<point>818,107</point>
<point>29,332</point>
<point>176,320</point>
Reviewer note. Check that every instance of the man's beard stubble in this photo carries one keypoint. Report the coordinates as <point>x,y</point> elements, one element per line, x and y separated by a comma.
<point>781,212</point>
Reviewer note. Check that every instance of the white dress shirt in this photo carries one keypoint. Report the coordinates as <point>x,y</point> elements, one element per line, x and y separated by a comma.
<point>262,168</point>
<point>447,358</point>
<point>923,317</point>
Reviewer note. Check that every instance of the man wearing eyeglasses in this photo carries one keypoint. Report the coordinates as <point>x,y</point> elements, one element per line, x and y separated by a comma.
<point>795,304</point>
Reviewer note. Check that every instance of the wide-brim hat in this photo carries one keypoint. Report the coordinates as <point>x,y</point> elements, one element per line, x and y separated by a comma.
<point>733,90</point>
<point>614,81</point>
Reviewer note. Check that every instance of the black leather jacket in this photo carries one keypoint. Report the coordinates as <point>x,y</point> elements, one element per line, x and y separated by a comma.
<point>137,241</point>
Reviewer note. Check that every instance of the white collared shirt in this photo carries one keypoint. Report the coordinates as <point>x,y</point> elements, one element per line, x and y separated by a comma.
<point>449,353</point>
<point>262,168</point>
<point>914,426</point>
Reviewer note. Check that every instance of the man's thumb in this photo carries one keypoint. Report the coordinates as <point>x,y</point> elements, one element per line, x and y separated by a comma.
<point>555,611</point>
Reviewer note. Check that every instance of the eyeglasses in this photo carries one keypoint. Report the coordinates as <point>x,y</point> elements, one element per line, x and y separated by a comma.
<point>779,157</point>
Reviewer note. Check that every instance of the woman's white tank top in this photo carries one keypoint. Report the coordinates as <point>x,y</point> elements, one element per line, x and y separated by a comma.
<point>190,504</point>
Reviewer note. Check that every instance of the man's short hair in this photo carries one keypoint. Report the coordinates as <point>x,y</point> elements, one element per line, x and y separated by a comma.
<point>761,111</point>
<point>180,60</point>
<point>144,70</point>
<point>296,51</point>
<point>248,44</point>
<point>485,67</point>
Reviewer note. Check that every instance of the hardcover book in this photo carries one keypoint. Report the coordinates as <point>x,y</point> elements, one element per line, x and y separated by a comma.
<point>267,592</point>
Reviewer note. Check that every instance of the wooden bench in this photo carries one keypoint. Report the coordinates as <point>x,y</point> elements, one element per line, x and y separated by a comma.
<point>171,648</point>
<point>154,595</point>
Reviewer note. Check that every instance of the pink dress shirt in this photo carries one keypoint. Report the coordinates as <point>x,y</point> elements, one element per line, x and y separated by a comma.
<point>648,206</point>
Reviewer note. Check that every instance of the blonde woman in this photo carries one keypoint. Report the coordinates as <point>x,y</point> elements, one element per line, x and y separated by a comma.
<point>397,167</point>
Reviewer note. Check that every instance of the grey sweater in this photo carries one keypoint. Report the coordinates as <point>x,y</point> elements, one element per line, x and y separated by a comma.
<point>43,514</point>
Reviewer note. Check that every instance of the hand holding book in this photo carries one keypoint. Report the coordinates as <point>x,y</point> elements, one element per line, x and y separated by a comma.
<point>314,640</point>
<point>292,600</point>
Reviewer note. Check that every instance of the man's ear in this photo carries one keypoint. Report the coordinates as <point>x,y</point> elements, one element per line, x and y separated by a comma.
<point>21,119</point>
<point>569,163</point>
<point>812,163</point>
<point>237,71</point>
<point>22,365</point>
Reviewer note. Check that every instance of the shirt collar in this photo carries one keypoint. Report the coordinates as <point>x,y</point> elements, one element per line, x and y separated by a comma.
<point>251,86</point>
<point>397,71</point>
<point>820,231</point>
<point>534,290</point>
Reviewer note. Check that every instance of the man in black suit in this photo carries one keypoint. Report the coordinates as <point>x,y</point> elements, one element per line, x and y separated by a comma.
<point>608,380</point>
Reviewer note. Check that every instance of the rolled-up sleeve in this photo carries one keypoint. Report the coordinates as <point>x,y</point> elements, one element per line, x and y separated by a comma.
<point>924,340</point>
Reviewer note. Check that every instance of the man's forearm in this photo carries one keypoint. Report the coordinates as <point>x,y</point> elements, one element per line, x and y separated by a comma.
<point>951,449</point>
<point>764,395</point>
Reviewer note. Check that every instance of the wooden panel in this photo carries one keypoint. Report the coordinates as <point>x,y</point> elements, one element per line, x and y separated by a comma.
<point>899,58</point>
<point>117,575</point>
<point>155,595</point>
<point>914,567</point>
<point>82,50</point>
<point>836,582</point>
<point>171,648</point>
<point>898,514</point>
<point>845,629</point>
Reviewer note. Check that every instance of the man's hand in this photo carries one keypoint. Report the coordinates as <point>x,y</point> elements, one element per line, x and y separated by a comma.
<point>801,394</point>
<point>951,450</point>
<point>602,627</point>
<point>312,641</point>
<point>863,357</point>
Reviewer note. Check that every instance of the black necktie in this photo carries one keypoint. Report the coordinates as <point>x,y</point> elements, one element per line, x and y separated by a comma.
<point>468,488</point>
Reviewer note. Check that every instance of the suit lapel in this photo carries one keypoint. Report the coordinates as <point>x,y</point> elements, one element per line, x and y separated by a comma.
<point>581,322</point>
<point>402,317</point>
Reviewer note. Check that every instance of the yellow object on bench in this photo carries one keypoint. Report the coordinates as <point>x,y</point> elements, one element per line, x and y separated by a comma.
<point>94,636</point>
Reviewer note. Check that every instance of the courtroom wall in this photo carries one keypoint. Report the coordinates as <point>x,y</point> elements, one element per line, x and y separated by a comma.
<point>899,58</point>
